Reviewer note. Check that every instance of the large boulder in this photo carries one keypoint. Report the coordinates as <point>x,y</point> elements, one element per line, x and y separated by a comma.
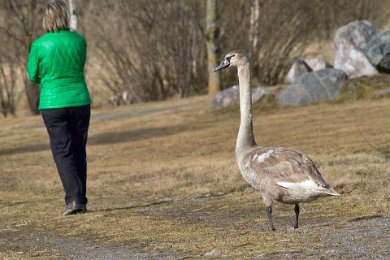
<point>231,96</point>
<point>312,87</point>
<point>378,50</point>
<point>349,42</point>
<point>358,33</point>
<point>302,66</point>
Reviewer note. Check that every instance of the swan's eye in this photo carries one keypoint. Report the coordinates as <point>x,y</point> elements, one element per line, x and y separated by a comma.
<point>228,58</point>
<point>326,186</point>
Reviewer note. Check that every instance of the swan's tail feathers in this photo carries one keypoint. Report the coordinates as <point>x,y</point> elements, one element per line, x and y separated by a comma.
<point>309,186</point>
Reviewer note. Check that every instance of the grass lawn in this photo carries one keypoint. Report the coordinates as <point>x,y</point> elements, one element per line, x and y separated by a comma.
<point>163,182</point>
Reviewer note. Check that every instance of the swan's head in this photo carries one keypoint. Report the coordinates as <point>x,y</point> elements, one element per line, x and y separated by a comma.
<point>233,58</point>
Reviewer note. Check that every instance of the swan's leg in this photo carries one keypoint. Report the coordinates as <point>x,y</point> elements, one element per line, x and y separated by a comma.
<point>268,206</point>
<point>296,209</point>
<point>269,215</point>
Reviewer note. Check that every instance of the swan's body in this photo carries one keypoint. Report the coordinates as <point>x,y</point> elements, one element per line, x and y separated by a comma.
<point>280,174</point>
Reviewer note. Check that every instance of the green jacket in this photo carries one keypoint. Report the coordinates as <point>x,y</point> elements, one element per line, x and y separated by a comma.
<point>56,61</point>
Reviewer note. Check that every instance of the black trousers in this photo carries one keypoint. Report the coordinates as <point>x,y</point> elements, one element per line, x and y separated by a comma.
<point>68,132</point>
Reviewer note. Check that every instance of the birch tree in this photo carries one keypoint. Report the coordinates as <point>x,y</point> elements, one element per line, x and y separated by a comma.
<point>73,17</point>
<point>254,25</point>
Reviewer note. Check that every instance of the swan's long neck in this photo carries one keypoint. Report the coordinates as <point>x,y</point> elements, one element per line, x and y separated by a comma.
<point>245,138</point>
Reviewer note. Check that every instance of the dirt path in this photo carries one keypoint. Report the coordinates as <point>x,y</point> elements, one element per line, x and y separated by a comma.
<point>362,238</point>
<point>131,111</point>
<point>112,115</point>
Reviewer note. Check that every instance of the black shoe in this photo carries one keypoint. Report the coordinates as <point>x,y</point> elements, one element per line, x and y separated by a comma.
<point>74,208</point>
<point>83,208</point>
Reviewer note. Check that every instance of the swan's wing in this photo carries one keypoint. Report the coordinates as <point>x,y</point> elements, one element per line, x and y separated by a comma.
<point>287,167</point>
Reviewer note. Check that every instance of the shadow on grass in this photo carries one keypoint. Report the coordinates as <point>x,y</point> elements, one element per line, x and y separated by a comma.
<point>137,135</point>
<point>108,138</point>
<point>24,149</point>
<point>132,206</point>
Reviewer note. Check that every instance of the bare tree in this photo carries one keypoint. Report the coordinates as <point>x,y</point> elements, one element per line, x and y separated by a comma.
<point>8,78</point>
<point>73,16</point>
<point>143,50</point>
<point>158,51</point>
<point>212,31</point>
<point>21,27</point>
<point>154,53</point>
<point>254,26</point>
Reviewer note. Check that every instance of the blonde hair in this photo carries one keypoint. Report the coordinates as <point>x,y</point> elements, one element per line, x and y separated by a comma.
<point>56,16</point>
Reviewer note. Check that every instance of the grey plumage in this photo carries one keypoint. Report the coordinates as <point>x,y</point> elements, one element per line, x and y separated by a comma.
<point>282,174</point>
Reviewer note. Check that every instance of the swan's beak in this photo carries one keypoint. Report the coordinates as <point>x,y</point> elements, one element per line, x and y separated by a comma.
<point>330,192</point>
<point>333,192</point>
<point>225,63</point>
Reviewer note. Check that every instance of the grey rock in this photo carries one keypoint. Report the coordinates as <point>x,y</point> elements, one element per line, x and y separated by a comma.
<point>378,50</point>
<point>314,86</point>
<point>349,43</point>
<point>258,93</point>
<point>231,96</point>
<point>302,66</point>
<point>358,33</point>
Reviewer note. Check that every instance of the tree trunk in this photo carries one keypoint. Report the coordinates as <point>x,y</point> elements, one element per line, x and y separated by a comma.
<point>254,25</point>
<point>73,17</point>
<point>32,90</point>
<point>213,83</point>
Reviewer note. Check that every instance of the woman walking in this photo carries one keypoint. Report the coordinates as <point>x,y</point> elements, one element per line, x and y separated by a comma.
<point>56,62</point>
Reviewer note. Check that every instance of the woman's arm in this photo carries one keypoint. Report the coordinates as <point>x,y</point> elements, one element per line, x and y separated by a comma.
<point>33,65</point>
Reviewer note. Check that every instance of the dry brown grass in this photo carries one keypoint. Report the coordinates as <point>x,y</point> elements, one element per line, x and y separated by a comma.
<point>167,182</point>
